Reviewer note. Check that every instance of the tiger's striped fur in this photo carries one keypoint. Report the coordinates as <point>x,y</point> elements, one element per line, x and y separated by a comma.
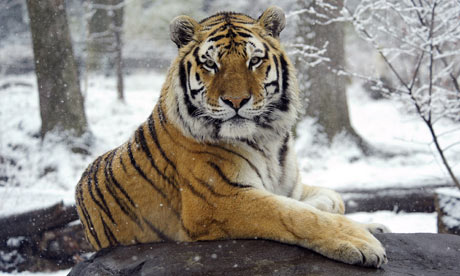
<point>215,160</point>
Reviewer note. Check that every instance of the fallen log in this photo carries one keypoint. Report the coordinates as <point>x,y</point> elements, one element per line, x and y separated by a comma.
<point>37,221</point>
<point>416,199</point>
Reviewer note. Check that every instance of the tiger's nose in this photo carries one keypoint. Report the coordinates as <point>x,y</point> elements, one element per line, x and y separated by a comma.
<point>235,102</point>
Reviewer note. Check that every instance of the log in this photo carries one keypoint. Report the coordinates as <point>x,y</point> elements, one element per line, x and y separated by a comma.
<point>417,199</point>
<point>37,221</point>
<point>64,244</point>
<point>55,249</point>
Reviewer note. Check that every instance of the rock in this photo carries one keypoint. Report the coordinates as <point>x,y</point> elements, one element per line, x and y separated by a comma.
<point>408,254</point>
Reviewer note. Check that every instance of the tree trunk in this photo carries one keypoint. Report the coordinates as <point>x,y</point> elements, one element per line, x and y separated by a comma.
<point>117,27</point>
<point>98,36</point>
<point>324,90</point>
<point>61,101</point>
<point>105,40</point>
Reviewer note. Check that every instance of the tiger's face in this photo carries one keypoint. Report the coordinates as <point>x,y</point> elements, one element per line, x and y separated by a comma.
<point>234,80</point>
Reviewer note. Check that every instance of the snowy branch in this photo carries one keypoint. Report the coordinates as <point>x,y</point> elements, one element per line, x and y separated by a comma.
<point>418,41</point>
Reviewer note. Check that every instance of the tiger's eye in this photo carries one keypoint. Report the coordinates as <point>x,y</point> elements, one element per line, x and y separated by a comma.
<point>254,60</point>
<point>210,64</point>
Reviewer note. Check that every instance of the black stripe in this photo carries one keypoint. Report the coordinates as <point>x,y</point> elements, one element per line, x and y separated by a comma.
<point>108,233</point>
<point>89,222</point>
<point>141,172</point>
<point>245,35</point>
<point>144,176</point>
<point>161,114</point>
<point>283,105</point>
<point>254,146</point>
<point>274,83</point>
<point>181,118</point>
<point>215,38</point>
<point>261,151</point>
<point>209,187</point>
<point>224,177</point>
<point>241,156</point>
<point>196,192</point>
<point>157,231</point>
<point>103,206</point>
<point>197,58</point>
<point>275,59</point>
<point>219,29</point>
<point>269,67</point>
<point>189,233</point>
<point>229,26</point>
<point>123,163</point>
<point>154,136</point>
<point>121,203</point>
<point>118,185</point>
<point>243,22</point>
<point>146,150</point>
<point>194,92</point>
<point>283,151</point>
<point>183,75</point>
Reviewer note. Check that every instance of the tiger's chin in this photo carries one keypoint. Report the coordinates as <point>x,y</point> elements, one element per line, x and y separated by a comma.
<point>238,128</point>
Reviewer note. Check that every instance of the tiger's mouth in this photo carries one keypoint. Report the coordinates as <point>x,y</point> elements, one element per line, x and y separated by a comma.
<point>237,119</point>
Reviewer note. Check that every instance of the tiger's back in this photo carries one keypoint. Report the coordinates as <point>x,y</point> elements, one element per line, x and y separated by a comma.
<point>215,160</point>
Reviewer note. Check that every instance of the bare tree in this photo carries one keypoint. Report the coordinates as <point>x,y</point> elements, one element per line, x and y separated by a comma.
<point>420,43</point>
<point>61,101</point>
<point>321,32</point>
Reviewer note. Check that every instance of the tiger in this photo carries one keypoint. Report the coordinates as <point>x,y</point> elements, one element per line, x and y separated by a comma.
<point>215,158</point>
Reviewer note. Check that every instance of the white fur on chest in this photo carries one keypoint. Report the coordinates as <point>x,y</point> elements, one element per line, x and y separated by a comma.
<point>267,171</point>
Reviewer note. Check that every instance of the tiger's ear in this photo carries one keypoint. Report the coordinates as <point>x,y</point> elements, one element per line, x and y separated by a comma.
<point>182,29</point>
<point>273,20</point>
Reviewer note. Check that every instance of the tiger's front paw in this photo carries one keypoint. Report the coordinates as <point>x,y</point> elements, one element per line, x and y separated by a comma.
<point>326,200</point>
<point>353,243</point>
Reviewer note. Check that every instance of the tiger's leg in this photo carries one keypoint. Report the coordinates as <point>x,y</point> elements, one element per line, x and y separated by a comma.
<point>330,201</point>
<point>252,213</point>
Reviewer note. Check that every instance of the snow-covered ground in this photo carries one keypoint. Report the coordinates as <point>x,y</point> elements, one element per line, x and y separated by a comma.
<point>387,126</point>
<point>46,172</point>
<point>57,273</point>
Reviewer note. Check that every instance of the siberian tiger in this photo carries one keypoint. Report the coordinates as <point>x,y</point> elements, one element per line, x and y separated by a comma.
<point>214,160</point>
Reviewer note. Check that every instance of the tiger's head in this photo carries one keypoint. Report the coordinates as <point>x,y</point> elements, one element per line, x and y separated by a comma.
<point>232,80</point>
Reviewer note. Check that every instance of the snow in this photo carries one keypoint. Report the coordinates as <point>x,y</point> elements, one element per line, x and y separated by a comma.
<point>400,222</point>
<point>449,202</point>
<point>44,173</point>
<point>56,273</point>
<point>387,126</point>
